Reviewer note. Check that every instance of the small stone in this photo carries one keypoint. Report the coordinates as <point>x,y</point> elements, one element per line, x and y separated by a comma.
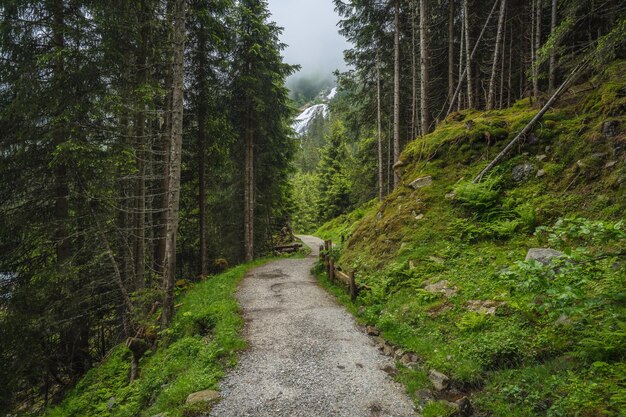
<point>563,320</point>
<point>207,396</point>
<point>450,195</point>
<point>361,311</point>
<point>111,403</point>
<point>543,255</point>
<point>412,264</point>
<point>424,396</point>
<point>610,164</point>
<point>159,415</point>
<point>522,172</point>
<point>406,359</point>
<point>399,353</point>
<point>465,407</point>
<point>388,350</point>
<point>372,331</point>
<point>541,157</point>
<point>379,215</point>
<point>419,217</point>
<point>421,182</point>
<point>441,287</point>
<point>541,173</point>
<point>580,163</point>
<point>439,380</point>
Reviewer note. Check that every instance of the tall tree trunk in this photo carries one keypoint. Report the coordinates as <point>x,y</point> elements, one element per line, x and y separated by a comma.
<point>202,139</point>
<point>396,91</point>
<point>468,59</point>
<point>380,132</point>
<point>503,60</point>
<point>424,66</point>
<point>496,57</point>
<point>140,185</point>
<point>415,124</point>
<point>176,144</point>
<point>249,193</point>
<point>461,55</point>
<point>450,49</point>
<point>536,49</point>
<point>509,91</point>
<point>552,76</point>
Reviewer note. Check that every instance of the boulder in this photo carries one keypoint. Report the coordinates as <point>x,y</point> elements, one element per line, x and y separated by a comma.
<point>421,182</point>
<point>206,396</point>
<point>424,396</point>
<point>388,350</point>
<point>522,172</point>
<point>439,380</point>
<point>543,255</point>
<point>610,164</point>
<point>488,307</point>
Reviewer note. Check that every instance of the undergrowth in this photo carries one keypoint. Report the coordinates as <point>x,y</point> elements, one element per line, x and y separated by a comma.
<point>197,349</point>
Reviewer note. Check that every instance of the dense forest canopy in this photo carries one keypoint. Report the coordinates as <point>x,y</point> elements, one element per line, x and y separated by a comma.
<point>149,143</point>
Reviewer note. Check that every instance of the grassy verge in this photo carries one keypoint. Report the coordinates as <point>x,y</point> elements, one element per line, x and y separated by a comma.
<point>202,344</point>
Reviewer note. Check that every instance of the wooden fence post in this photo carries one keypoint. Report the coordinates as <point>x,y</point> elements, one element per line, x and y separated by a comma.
<point>321,253</point>
<point>331,270</point>
<point>353,290</point>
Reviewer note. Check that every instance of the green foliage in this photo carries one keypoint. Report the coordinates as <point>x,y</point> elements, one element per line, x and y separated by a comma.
<point>201,343</point>
<point>480,198</point>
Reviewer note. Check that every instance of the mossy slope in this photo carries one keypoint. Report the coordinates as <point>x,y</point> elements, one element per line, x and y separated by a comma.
<point>557,343</point>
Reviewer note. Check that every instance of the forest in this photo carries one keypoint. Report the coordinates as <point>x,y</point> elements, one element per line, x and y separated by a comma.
<point>148,157</point>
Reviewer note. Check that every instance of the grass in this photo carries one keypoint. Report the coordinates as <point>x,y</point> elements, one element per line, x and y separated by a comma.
<point>557,342</point>
<point>200,346</point>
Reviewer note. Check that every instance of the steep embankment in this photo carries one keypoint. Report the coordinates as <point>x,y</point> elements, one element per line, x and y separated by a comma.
<point>444,266</point>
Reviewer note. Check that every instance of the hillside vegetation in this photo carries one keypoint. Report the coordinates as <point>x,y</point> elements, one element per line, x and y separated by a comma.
<point>444,265</point>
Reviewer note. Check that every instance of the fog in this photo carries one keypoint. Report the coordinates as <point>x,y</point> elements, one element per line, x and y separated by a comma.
<point>310,31</point>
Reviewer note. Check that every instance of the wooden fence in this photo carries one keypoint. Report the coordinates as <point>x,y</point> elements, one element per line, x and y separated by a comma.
<point>335,273</point>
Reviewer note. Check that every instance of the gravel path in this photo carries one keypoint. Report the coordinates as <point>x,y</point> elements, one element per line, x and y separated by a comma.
<point>306,355</point>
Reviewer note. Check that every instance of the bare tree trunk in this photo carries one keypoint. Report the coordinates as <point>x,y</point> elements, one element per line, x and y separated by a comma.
<point>536,49</point>
<point>202,139</point>
<point>380,133</point>
<point>468,64</point>
<point>509,91</point>
<point>496,56</point>
<point>552,76</point>
<point>503,60</point>
<point>415,127</point>
<point>424,66</point>
<point>176,143</point>
<point>249,194</point>
<point>450,49</point>
<point>461,55</point>
<point>396,91</point>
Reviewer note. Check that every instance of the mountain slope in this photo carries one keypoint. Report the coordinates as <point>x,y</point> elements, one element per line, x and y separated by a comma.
<point>444,268</point>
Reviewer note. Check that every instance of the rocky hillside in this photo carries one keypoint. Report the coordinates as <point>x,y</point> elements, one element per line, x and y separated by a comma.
<point>509,293</point>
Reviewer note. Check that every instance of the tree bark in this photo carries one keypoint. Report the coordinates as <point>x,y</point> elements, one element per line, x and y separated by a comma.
<point>249,193</point>
<point>496,57</point>
<point>536,49</point>
<point>424,66</point>
<point>202,139</point>
<point>396,91</point>
<point>380,133</point>
<point>468,56</point>
<point>176,142</point>
<point>415,124</point>
<point>461,55</point>
<point>552,75</point>
<point>450,49</point>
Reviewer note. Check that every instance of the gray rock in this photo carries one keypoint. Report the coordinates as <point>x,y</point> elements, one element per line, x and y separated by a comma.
<point>160,415</point>
<point>465,407</point>
<point>522,172</point>
<point>541,157</point>
<point>610,128</point>
<point>541,173</point>
<point>424,396</point>
<point>111,403</point>
<point>207,396</point>
<point>451,195</point>
<point>543,255</point>
<point>439,380</point>
<point>442,287</point>
<point>421,182</point>
<point>610,164</point>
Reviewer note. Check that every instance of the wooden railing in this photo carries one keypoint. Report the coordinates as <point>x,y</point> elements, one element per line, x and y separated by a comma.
<point>335,273</point>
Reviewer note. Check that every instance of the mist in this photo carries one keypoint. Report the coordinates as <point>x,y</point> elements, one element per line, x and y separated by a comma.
<point>313,42</point>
